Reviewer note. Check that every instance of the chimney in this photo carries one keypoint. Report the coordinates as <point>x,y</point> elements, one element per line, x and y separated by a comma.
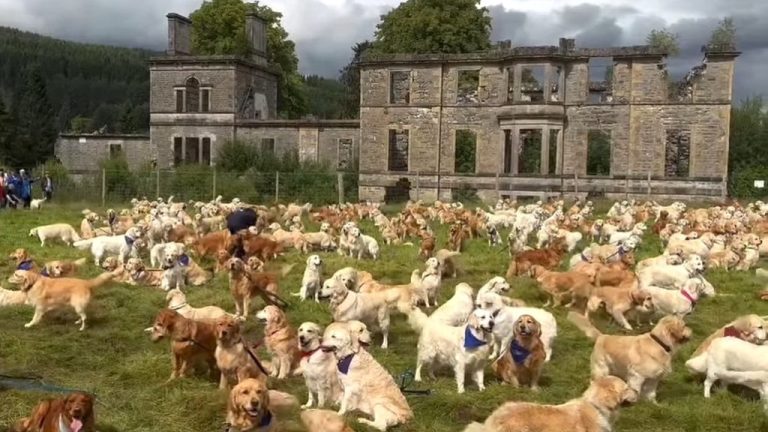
<point>256,31</point>
<point>179,42</point>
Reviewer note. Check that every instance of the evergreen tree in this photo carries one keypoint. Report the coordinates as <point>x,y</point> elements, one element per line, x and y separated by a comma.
<point>350,78</point>
<point>6,131</point>
<point>36,124</point>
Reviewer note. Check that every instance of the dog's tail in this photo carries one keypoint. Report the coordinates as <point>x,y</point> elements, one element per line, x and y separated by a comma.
<point>475,427</point>
<point>100,280</point>
<point>584,325</point>
<point>512,269</point>
<point>697,365</point>
<point>417,319</point>
<point>83,244</point>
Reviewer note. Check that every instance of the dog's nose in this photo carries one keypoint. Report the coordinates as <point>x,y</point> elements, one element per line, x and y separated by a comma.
<point>301,339</point>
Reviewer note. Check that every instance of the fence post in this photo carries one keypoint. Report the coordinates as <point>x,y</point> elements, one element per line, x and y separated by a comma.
<point>498,187</point>
<point>649,183</point>
<point>213,197</point>
<point>340,182</point>
<point>277,186</point>
<point>103,187</point>
<point>418,186</point>
<point>157,183</point>
<point>575,183</point>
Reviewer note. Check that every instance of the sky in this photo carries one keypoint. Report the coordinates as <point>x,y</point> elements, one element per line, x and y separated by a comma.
<point>324,30</point>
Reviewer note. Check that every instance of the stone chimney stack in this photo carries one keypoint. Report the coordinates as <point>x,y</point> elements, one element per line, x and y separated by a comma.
<point>256,31</point>
<point>179,38</point>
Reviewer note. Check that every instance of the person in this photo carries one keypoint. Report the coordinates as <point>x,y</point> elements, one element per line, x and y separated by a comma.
<point>48,187</point>
<point>237,221</point>
<point>2,188</point>
<point>26,188</point>
<point>12,190</point>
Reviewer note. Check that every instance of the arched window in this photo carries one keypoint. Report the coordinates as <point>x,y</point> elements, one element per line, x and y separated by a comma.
<point>192,88</point>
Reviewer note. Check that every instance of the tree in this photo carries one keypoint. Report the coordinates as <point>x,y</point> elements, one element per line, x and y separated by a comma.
<point>724,36</point>
<point>325,96</point>
<point>36,130</point>
<point>350,79</point>
<point>218,27</point>
<point>434,26</point>
<point>6,131</point>
<point>664,41</point>
<point>80,125</point>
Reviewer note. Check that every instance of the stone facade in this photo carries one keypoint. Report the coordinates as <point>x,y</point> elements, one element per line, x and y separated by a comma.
<point>198,103</point>
<point>547,98</point>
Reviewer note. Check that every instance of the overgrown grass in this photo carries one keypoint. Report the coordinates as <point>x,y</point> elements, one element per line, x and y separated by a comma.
<point>114,359</point>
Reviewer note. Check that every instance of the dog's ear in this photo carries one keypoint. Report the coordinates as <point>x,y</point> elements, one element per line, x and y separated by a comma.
<point>473,321</point>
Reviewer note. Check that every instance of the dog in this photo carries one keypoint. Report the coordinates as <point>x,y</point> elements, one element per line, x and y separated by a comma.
<point>191,342</point>
<point>524,361</point>
<point>428,284</point>
<point>619,301</point>
<point>233,358</point>
<point>244,285</point>
<point>281,340</point>
<point>37,203</point>
<point>735,361</point>
<point>23,260</point>
<point>680,302</point>
<point>750,328</point>
<point>557,285</point>
<point>312,281</point>
<point>594,411</point>
<point>12,297</point>
<point>362,245</point>
<point>669,276</point>
<point>318,366</point>
<point>47,294</point>
<point>121,245</point>
<point>72,413</point>
<point>368,387</point>
<point>455,312</point>
<point>61,231</point>
<point>316,420</point>
<point>642,360</point>
<point>177,302</point>
<point>159,251</point>
<point>248,407</point>
<point>62,268</point>
<point>140,275</point>
<point>173,274</point>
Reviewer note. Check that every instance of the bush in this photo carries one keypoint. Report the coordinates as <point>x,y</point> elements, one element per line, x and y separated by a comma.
<point>741,183</point>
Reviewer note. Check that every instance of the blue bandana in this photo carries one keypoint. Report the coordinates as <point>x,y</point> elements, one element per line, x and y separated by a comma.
<point>184,260</point>
<point>26,265</point>
<point>266,420</point>
<point>470,341</point>
<point>44,273</point>
<point>519,353</point>
<point>343,364</point>
<point>129,241</point>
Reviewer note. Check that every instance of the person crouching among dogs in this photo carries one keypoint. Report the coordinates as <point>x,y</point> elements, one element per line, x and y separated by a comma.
<point>523,362</point>
<point>240,220</point>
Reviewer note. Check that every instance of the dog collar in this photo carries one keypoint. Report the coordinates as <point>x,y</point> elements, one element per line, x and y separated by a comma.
<point>731,331</point>
<point>177,307</point>
<point>344,364</point>
<point>266,420</point>
<point>308,354</point>
<point>661,343</point>
<point>129,240</point>
<point>25,265</point>
<point>689,297</point>
<point>584,258</point>
<point>184,260</point>
<point>470,340</point>
<point>44,272</point>
<point>519,352</point>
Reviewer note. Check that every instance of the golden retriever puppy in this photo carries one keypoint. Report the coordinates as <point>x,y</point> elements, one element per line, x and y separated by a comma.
<point>62,268</point>
<point>524,361</point>
<point>557,285</point>
<point>191,342</point>
<point>368,387</point>
<point>235,360</point>
<point>594,411</point>
<point>72,413</point>
<point>643,360</point>
<point>317,420</point>
<point>750,328</point>
<point>47,294</point>
<point>618,301</point>
<point>281,341</point>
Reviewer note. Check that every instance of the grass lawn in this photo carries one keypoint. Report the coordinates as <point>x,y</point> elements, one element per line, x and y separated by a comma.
<point>114,359</point>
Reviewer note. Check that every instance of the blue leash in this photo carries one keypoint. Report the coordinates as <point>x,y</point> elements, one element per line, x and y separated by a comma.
<point>406,379</point>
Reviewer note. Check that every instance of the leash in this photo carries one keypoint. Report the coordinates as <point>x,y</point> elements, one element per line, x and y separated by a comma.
<point>406,379</point>
<point>36,383</point>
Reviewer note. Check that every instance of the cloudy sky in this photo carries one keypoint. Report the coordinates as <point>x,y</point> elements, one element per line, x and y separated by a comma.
<point>324,30</point>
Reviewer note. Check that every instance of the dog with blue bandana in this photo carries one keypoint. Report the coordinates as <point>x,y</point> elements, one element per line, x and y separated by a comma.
<point>524,360</point>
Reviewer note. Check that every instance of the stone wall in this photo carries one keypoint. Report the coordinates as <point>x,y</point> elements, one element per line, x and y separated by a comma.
<point>259,85</point>
<point>85,152</point>
<point>163,138</point>
<point>165,78</point>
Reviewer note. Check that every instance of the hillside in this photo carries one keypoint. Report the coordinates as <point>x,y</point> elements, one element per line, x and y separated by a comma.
<point>109,85</point>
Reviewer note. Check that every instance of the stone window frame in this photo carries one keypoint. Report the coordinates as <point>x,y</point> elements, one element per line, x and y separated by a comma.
<point>550,68</point>
<point>476,132</point>
<point>547,127</point>
<point>459,70</point>
<point>115,144</point>
<point>264,140</point>
<point>209,90</point>
<point>182,88</point>
<point>691,149</point>
<point>201,139</point>
<point>389,85</point>
<point>396,127</point>
<point>338,153</point>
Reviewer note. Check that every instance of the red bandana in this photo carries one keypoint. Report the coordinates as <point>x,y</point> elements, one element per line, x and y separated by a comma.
<point>731,331</point>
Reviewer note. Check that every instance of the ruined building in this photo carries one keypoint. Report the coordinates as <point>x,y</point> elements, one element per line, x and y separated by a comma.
<point>197,103</point>
<point>537,121</point>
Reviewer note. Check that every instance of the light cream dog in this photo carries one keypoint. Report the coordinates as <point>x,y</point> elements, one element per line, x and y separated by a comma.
<point>61,231</point>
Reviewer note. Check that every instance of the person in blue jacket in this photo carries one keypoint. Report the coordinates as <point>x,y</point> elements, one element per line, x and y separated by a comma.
<point>26,188</point>
<point>13,189</point>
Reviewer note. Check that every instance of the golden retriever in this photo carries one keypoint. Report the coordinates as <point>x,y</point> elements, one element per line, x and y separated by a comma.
<point>524,361</point>
<point>751,328</point>
<point>318,420</point>
<point>47,294</point>
<point>249,407</point>
<point>140,275</point>
<point>62,268</point>
<point>557,285</point>
<point>244,285</point>
<point>642,360</point>
<point>235,360</point>
<point>23,260</point>
<point>191,342</point>
<point>75,412</point>
<point>618,301</point>
<point>281,340</point>
<point>594,411</point>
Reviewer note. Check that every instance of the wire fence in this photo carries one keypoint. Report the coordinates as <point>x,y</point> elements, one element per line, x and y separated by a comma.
<point>120,186</point>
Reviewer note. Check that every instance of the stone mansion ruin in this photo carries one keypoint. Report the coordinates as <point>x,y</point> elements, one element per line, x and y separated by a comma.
<point>513,121</point>
<point>543,121</point>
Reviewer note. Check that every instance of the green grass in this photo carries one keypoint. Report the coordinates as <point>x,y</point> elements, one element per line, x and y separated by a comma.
<point>114,359</point>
